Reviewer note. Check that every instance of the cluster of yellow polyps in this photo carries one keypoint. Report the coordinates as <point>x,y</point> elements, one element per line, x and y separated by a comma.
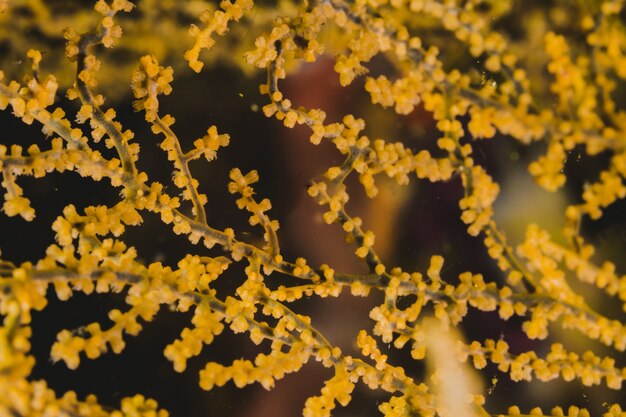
<point>575,108</point>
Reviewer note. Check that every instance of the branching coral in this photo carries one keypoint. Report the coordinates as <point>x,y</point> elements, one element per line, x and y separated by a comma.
<point>579,108</point>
